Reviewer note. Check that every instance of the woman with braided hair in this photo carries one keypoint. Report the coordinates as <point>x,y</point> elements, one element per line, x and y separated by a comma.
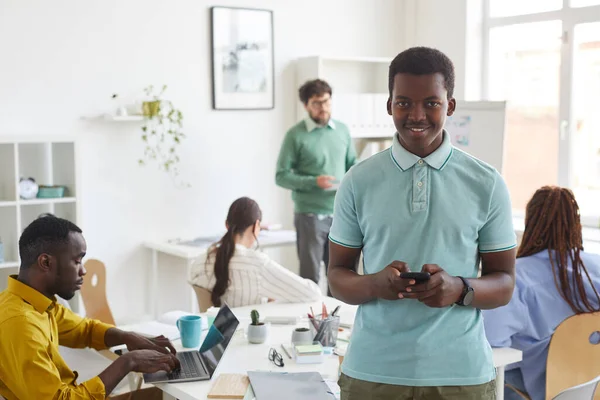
<point>555,279</point>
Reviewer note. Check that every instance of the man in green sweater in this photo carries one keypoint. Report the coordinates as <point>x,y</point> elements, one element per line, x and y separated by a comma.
<point>314,156</point>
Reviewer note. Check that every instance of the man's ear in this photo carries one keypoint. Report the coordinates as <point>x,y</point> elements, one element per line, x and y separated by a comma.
<point>389,106</point>
<point>451,106</point>
<point>45,262</point>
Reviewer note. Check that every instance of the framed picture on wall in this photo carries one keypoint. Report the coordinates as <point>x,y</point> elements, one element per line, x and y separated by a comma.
<point>242,58</point>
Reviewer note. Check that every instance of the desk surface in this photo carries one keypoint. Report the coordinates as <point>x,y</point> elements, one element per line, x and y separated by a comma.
<point>241,356</point>
<point>186,250</point>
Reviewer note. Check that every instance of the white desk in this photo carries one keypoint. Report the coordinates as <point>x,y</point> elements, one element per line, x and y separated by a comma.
<point>241,356</point>
<point>192,252</point>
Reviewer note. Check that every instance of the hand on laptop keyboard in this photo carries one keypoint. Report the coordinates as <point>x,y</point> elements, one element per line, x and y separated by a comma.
<point>149,361</point>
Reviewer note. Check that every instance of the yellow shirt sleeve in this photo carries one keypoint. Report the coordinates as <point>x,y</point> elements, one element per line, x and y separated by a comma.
<point>77,332</point>
<point>28,370</point>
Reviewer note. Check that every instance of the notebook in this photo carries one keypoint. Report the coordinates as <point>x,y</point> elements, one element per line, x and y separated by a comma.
<point>309,349</point>
<point>229,386</point>
<point>296,386</point>
<point>165,325</point>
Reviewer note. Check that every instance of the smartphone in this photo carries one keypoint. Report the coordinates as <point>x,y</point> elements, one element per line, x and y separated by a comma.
<point>419,277</point>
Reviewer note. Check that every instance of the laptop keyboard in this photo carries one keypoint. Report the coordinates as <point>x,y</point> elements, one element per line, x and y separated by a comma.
<point>189,366</point>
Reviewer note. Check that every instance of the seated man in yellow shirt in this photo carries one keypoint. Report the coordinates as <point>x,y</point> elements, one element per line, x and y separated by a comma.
<point>33,324</point>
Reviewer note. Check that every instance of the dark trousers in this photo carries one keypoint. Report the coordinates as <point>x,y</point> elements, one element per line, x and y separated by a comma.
<point>355,389</point>
<point>312,244</point>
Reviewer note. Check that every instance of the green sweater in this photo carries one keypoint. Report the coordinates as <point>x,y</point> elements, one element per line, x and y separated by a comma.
<point>308,151</point>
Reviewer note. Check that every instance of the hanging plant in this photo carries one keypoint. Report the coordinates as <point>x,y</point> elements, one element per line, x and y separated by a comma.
<point>162,131</point>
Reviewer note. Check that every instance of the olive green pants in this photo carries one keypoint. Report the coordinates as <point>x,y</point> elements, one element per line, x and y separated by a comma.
<point>355,389</point>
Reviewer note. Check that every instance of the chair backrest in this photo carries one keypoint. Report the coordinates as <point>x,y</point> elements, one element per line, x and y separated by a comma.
<point>572,358</point>
<point>585,391</point>
<point>203,296</point>
<point>93,292</point>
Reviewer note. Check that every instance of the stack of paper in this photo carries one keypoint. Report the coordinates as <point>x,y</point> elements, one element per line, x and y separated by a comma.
<point>165,325</point>
<point>309,354</point>
<point>153,329</point>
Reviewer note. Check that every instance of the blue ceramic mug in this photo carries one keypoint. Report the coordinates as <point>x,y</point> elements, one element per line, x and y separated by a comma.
<point>190,328</point>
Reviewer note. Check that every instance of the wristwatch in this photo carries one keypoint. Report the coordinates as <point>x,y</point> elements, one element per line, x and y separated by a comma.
<point>466,298</point>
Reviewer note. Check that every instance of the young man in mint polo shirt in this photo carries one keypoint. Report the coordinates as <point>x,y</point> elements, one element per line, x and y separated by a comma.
<point>314,156</point>
<point>424,206</point>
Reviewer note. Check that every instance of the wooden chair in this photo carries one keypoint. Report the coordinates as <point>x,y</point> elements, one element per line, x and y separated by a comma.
<point>572,358</point>
<point>203,296</point>
<point>93,292</point>
<point>585,391</point>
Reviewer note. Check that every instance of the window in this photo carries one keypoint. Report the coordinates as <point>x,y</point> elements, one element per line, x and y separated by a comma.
<point>586,127</point>
<point>584,3</point>
<point>543,58</point>
<point>505,8</point>
<point>525,71</point>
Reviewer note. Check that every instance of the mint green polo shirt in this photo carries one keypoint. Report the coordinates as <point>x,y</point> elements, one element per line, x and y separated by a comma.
<point>444,209</point>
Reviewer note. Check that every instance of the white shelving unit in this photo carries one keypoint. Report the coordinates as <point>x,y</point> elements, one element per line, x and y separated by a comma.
<point>116,118</point>
<point>124,118</point>
<point>50,161</point>
<point>360,92</point>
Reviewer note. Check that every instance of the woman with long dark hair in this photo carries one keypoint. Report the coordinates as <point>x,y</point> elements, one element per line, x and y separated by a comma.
<point>555,279</point>
<point>235,272</point>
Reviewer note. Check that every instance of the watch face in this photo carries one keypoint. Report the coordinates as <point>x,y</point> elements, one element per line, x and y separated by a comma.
<point>468,298</point>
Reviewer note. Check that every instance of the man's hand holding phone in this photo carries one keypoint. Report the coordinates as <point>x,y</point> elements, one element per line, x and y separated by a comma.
<point>441,290</point>
<point>388,284</point>
<point>419,277</point>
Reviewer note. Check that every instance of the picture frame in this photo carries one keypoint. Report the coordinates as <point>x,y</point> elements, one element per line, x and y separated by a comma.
<point>242,58</point>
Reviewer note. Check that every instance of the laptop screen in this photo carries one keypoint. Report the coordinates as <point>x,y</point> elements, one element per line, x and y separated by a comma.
<point>226,323</point>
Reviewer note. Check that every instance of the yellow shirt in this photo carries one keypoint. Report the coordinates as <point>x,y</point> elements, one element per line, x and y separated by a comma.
<point>31,328</point>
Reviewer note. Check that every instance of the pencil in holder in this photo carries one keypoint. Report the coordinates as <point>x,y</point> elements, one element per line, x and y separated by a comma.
<point>325,330</point>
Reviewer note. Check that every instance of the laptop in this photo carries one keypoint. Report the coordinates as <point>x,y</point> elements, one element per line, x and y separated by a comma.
<point>196,365</point>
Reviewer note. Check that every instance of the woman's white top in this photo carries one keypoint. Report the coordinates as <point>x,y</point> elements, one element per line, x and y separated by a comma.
<point>254,276</point>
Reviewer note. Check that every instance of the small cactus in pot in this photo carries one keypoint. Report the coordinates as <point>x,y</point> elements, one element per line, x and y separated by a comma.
<point>257,331</point>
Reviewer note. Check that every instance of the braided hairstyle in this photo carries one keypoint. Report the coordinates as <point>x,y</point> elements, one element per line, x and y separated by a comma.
<point>552,223</point>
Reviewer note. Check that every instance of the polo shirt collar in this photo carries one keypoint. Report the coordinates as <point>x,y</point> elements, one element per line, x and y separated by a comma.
<point>40,302</point>
<point>404,159</point>
<point>312,125</point>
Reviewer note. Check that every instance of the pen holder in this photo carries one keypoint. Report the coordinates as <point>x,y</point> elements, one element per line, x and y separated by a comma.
<point>325,330</point>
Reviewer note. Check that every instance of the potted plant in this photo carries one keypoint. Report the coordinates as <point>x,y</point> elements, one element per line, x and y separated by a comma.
<point>302,336</point>
<point>161,131</point>
<point>257,331</point>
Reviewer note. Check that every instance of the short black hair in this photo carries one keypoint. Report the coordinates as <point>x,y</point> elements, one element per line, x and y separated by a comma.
<point>423,61</point>
<point>44,235</point>
<point>316,87</point>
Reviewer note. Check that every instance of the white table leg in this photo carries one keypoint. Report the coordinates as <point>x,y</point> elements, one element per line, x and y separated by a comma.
<point>154,294</point>
<point>500,383</point>
<point>193,301</point>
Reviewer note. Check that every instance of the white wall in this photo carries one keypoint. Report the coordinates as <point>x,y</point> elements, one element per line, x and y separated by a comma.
<point>62,60</point>
<point>443,24</point>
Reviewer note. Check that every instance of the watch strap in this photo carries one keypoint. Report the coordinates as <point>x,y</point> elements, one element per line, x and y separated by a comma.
<point>466,287</point>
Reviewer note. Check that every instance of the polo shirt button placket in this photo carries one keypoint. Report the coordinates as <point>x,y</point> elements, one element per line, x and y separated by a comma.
<point>419,186</point>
